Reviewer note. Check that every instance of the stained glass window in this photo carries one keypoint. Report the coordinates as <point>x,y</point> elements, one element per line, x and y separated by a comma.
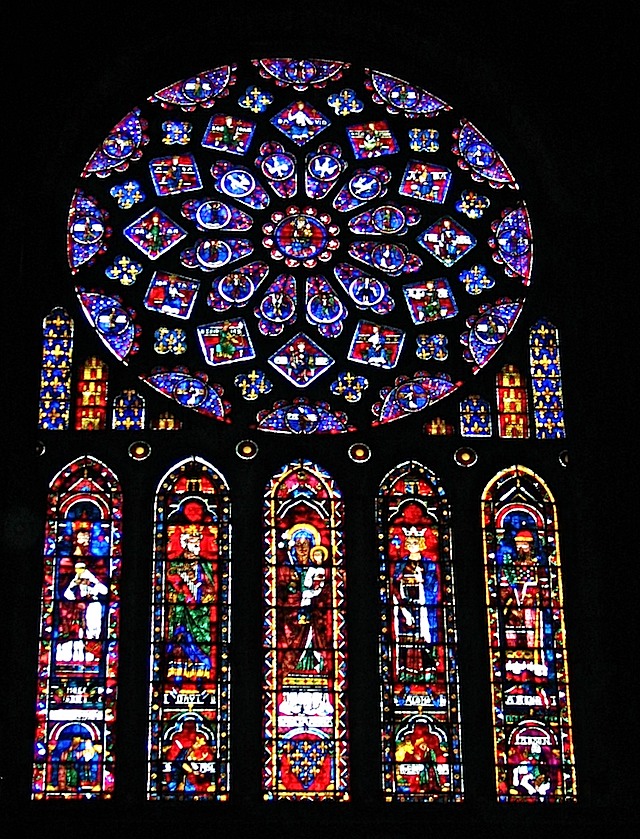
<point>305,719</point>
<point>418,643</point>
<point>304,248</point>
<point>438,427</point>
<point>55,373</point>
<point>166,421</point>
<point>91,399</point>
<point>128,411</point>
<point>546,380</point>
<point>513,406</point>
<point>475,417</point>
<point>79,628</point>
<point>302,245</point>
<point>529,680</point>
<point>190,675</point>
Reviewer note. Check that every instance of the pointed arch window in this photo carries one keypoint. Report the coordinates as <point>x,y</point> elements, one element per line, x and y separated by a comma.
<point>189,690</point>
<point>78,653</point>
<point>404,183</point>
<point>418,641</point>
<point>55,372</point>
<point>546,380</point>
<point>305,719</point>
<point>530,686</point>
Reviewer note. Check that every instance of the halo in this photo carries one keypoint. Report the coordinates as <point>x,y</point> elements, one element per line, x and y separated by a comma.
<point>323,551</point>
<point>289,534</point>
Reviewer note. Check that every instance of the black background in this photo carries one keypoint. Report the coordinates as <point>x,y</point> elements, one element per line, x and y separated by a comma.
<point>553,90</point>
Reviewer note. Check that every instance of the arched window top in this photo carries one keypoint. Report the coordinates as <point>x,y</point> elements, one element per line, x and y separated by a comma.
<point>305,730</point>
<point>420,702</point>
<point>79,634</point>
<point>517,483</point>
<point>55,371</point>
<point>533,742</point>
<point>300,246</point>
<point>410,478</point>
<point>189,722</point>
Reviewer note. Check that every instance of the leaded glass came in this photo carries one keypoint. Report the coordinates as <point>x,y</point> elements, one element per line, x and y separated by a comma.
<point>527,640</point>
<point>305,705</point>
<point>189,667</point>
<point>79,635</point>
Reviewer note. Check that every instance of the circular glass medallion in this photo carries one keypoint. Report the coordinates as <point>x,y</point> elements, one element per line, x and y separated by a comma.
<point>397,251</point>
<point>301,237</point>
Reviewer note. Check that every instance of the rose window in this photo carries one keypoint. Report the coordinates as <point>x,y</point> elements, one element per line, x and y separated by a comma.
<point>319,248</point>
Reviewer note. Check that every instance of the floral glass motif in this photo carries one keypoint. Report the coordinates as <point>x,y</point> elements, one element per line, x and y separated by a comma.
<point>530,684</point>
<point>432,347</point>
<point>78,657</point>
<point>350,180</point>
<point>170,341</point>
<point>546,380</point>
<point>128,413</point>
<point>305,717</point>
<point>420,701</point>
<point>124,269</point>
<point>475,417</point>
<point>55,372</point>
<point>189,690</point>
<point>252,384</point>
<point>176,133</point>
<point>127,194</point>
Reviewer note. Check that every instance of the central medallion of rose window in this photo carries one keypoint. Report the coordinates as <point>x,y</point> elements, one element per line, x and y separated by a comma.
<point>300,237</point>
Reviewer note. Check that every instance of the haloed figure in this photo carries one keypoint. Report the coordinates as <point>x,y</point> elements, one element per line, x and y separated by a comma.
<point>191,594</point>
<point>306,576</point>
<point>416,592</point>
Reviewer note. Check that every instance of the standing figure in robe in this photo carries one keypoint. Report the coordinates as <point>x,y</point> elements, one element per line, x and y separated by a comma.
<point>416,593</point>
